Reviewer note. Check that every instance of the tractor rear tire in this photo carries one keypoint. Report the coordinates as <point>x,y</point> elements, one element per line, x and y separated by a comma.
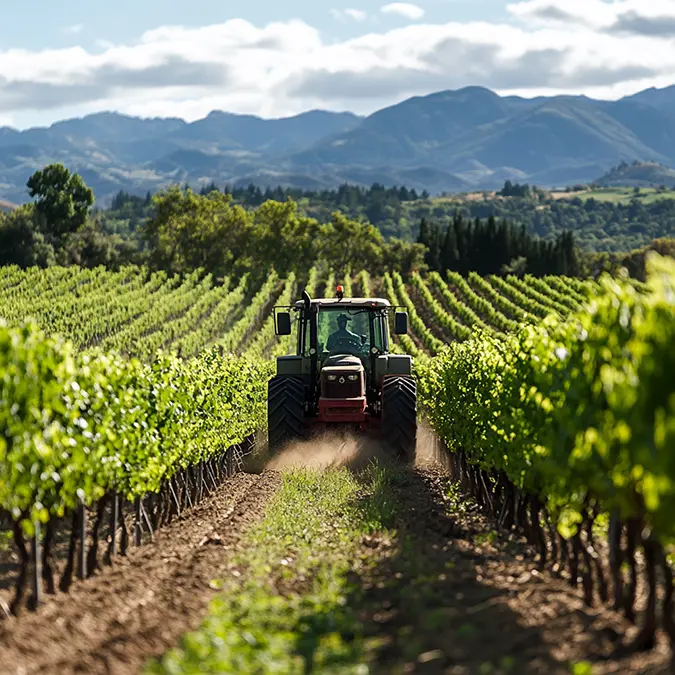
<point>285,411</point>
<point>399,417</point>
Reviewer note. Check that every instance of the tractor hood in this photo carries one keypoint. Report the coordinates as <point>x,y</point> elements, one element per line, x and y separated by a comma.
<point>343,377</point>
<point>342,360</point>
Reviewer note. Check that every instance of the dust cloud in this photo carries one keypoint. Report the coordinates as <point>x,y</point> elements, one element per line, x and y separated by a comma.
<point>429,447</point>
<point>325,451</point>
<point>335,449</point>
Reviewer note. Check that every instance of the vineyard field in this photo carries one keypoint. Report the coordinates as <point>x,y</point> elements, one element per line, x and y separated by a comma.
<point>130,399</point>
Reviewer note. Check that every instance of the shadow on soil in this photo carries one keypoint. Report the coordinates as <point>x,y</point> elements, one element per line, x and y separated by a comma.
<point>436,596</point>
<point>423,599</point>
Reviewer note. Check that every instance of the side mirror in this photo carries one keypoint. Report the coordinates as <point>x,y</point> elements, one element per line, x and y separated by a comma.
<point>401,323</point>
<point>283,323</point>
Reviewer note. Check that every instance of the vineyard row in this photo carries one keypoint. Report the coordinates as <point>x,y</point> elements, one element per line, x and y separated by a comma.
<point>566,428</point>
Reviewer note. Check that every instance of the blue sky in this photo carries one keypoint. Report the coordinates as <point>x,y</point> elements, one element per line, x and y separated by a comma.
<point>44,23</point>
<point>272,58</point>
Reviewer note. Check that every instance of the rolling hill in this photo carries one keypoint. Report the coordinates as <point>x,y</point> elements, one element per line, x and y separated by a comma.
<point>638,174</point>
<point>450,141</point>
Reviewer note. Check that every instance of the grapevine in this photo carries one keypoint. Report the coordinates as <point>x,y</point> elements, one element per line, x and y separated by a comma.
<point>522,299</point>
<point>500,321</point>
<point>528,286</point>
<point>455,329</point>
<point>499,301</point>
<point>81,424</point>
<point>405,341</point>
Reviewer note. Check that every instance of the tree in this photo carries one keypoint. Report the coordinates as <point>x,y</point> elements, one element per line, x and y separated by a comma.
<point>514,190</point>
<point>517,266</point>
<point>634,262</point>
<point>449,256</point>
<point>21,243</point>
<point>91,247</point>
<point>189,231</point>
<point>403,256</point>
<point>349,243</point>
<point>63,201</point>
<point>281,239</point>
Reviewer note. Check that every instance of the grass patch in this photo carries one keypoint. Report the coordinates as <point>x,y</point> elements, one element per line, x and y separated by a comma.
<point>623,195</point>
<point>284,604</point>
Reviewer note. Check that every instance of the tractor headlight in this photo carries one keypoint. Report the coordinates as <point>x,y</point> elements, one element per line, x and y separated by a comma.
<point>353,378</point>
<point>332,377</point>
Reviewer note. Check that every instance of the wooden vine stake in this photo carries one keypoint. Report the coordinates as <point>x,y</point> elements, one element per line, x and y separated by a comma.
<point>82,558</point>
<point>230,462</point>
<point>115,514</point>
<point>36,559</point>
<point>144,513</point>
<point>138,525</point>
<point>183,490</point>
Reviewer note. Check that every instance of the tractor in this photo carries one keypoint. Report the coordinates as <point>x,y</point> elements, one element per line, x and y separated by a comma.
<point>343,374</point>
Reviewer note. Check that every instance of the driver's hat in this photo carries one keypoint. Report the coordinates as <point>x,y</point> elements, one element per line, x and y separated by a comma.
<point>344,317</point>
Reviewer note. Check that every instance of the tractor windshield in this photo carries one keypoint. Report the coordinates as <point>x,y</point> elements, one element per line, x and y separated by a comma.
<point>341,330</point>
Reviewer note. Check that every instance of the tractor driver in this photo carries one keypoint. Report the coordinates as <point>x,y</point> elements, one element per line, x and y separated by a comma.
<point>342,334</point>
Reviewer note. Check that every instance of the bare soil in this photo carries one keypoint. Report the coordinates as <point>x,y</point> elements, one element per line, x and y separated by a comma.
<point>451,595</point>
<point>113,622</point>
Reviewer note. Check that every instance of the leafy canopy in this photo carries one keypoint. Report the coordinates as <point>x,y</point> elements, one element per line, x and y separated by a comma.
<point>63,200</point>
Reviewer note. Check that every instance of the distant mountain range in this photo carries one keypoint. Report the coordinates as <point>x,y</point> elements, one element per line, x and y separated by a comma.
<point>451,141</point>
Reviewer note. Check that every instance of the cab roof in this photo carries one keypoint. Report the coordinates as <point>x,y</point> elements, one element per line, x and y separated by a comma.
<point>353,303</point>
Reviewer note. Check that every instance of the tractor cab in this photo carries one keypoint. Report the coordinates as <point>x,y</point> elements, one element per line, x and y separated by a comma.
<point>342,365</point>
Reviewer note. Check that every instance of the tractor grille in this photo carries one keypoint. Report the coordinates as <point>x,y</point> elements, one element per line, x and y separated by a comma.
<point>346,389</point>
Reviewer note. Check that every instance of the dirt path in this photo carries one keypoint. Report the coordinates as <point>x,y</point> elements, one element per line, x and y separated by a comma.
<point>451,595</point>
<point>114,621</point>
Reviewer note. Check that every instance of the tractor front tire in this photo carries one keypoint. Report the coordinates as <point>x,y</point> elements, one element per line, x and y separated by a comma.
<point>399,417</point>
<point>285,411</point>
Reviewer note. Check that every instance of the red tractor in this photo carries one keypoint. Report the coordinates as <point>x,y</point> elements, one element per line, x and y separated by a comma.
<point>343,374</point>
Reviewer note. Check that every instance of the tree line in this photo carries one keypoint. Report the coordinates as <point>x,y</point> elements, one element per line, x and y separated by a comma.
<point>489,247</point>
<point>381,206</point>
<point>349,196</point>
<point>211,231</point>
<point>597,225</point>
<point>179,229</point>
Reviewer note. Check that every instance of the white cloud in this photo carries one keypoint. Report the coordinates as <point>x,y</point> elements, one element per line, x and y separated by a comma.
<point>597,48</point>
<point>405,9</point>
<point>353,14</point>
<point>598,14</point>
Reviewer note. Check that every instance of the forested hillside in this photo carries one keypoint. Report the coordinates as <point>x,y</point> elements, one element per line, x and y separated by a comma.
<point>599,221</point>
<point>638,174</point>
<point>180,231</point>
